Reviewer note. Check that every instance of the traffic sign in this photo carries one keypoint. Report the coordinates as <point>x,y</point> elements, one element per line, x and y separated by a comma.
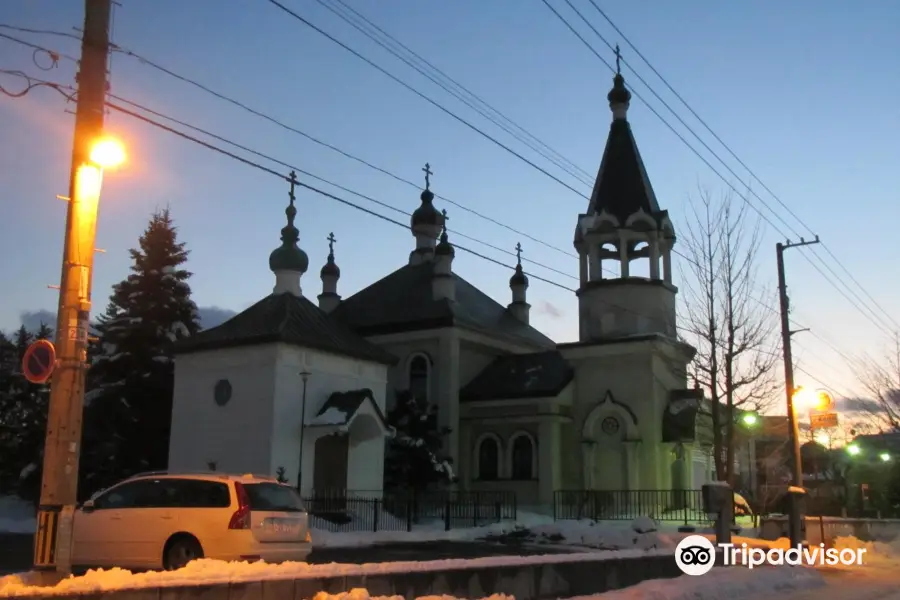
<point>39,361</point>
<point>824,420</point>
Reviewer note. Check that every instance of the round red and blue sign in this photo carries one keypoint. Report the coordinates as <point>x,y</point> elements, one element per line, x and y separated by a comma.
<point>39,361</point>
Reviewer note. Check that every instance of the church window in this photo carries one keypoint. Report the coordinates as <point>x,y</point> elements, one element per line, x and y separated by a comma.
<point>609,426</point>
<point>489,459</point>
<point>419,375</point>
<point>522,457</point>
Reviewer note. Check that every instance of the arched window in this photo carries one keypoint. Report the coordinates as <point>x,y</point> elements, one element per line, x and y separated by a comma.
<point>419,372</point>
<point>489,459</point>
<point>522,457</point>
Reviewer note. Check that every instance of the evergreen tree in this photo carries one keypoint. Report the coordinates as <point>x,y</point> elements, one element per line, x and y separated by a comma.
<point>414,460</point>
<point>132,375</point>
<point>24,418</point>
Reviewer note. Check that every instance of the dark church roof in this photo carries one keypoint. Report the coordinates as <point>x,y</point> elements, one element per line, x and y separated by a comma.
<point>622,186</point>
<point>347,404</point>
<point>535,375</point>
<point>404,301</point>
<point>289,319</point>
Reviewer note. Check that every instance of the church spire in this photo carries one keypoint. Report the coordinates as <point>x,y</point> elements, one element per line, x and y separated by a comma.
<point>288,261</point>
<point>443,284</point>
<point>518,284</point>
<point>619,97</point>
<point>426,223</point>
<point>329,298</point>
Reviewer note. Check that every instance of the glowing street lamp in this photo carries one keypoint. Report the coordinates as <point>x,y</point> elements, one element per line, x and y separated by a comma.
<point>853,450</point>
<point>811,399</point>
<point>885,457</point>
<point>750,419</point>
<point>107,153</point>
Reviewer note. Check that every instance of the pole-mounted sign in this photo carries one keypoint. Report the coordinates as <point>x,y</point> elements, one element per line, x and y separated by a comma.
<point>39,361</point>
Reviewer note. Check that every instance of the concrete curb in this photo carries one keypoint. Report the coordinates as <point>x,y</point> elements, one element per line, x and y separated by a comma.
<point>546,581</point>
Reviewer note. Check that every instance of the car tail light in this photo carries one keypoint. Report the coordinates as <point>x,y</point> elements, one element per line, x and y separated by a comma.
<point>241,517</point>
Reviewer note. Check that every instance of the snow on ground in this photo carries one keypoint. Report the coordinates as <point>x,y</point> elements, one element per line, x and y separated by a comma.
<point>16,515</point>
<point>733,584</point>
<point>208,571</point>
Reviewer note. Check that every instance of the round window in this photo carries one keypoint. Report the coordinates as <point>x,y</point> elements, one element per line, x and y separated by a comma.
<point>222,392</point>
<point>609,425</point>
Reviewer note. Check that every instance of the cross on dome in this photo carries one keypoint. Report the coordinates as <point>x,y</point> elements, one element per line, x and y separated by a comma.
<point>331,240</point>
<point>618,59</point>
<point>428,173</point>
<point>519,253</point>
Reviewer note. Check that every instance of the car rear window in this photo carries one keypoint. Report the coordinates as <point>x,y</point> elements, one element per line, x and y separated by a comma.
<point>273,497</point>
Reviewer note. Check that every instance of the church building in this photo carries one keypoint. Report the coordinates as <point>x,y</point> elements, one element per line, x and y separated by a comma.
<point>301,388</point>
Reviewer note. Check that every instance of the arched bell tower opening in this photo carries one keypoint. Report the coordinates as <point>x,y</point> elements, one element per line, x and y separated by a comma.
<point>624,242</point>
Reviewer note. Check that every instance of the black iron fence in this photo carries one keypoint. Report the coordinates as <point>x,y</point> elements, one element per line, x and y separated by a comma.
<point>615,505</point>
<point>347,511</point>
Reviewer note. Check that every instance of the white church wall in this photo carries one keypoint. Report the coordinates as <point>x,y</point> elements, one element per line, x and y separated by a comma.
<point>365,458</point>
<point>203,431</point>
<point>625,370</point>
<point>328,373</point>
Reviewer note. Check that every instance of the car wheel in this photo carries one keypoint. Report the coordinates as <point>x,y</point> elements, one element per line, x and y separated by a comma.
<point>180,551</point>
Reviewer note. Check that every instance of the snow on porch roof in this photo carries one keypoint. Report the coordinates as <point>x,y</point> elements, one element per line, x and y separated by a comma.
<point>340,408</point>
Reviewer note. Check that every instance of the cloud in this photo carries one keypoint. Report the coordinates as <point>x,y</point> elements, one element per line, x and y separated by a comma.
<point>210,316</point>
<point>32,319</point>
<point>863,405</point>
<point>546,308</point>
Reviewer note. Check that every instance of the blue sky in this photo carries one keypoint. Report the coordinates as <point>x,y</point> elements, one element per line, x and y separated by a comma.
<point>805,93</point>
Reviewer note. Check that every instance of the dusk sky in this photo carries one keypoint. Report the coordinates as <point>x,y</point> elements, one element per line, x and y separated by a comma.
<point>805,93</point>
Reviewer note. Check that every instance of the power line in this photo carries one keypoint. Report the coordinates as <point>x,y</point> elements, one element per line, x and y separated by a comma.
<point>739,161</point>
<point>333,148</point>
<point>323,180</point>
<point>503,121</point>
<point>868,312</point>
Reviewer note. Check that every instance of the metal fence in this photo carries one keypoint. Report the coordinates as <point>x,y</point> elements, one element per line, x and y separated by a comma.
<point>347,511</point>
<point>625,505</point>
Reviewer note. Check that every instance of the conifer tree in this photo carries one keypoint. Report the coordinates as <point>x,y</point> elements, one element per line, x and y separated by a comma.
<point>132,375</point>
<point>24,418</point>
<point>414,458</point>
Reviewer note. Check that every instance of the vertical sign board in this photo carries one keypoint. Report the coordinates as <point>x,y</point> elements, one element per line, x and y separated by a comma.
<point>39,361</point>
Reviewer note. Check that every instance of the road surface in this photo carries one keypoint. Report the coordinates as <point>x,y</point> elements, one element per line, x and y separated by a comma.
<point>16,552</point>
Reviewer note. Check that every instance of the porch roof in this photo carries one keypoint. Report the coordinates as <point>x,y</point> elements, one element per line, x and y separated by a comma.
<point>342,407</point>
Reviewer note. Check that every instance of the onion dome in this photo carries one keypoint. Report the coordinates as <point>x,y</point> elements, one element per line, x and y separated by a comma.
<point>288,256</point>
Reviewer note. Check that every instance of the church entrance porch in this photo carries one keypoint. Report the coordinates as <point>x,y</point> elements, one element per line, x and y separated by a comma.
<point>609,438</point>
<point>344,447</point>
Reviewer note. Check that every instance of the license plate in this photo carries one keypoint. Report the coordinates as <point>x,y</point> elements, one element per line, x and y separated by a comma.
<point>283,526</point>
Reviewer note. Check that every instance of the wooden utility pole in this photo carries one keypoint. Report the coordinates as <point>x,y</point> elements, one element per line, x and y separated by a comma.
<point>794,523</point>
<point>59,483</point>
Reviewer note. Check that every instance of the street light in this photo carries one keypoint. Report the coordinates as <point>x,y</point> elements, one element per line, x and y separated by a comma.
<point>885,457</point>
<point>107,153</point>
<point>304,375</point>
<point>853,450</point>
<point>750,419</point>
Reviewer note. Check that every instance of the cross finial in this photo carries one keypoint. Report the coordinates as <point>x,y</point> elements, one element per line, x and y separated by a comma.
<point>618,59</point>
<point>428,174</point>
<point>519,253</point>
<point>331,240</point>
<point>293,181</point>
<point>446,218</point>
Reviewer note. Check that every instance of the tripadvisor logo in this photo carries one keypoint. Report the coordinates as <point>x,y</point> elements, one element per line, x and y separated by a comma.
<point>696,555</point>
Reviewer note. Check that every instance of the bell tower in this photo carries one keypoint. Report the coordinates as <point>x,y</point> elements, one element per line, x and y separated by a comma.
<point>623,226</point>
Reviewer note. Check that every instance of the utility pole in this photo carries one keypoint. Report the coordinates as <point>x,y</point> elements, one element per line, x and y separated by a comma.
<point>795,521</point>
<point>59,483</point>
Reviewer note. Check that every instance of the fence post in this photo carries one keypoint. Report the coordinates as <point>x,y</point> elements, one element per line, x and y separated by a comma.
<point>475,507</point>
<point>409,512</point>
<point>447,513</point>
<point>499,509</point>
<point>377,511</point>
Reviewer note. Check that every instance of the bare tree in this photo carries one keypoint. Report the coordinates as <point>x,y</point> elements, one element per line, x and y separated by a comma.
<point>881,380</point>
<point>727,321</point>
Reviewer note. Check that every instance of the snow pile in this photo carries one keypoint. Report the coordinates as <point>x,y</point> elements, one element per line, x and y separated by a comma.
<point>16,515</point>
<point>363,594</point>
<point>731,583</point>
<point>642,533</point>
<point>878,554</point>
<point>207,572</point>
